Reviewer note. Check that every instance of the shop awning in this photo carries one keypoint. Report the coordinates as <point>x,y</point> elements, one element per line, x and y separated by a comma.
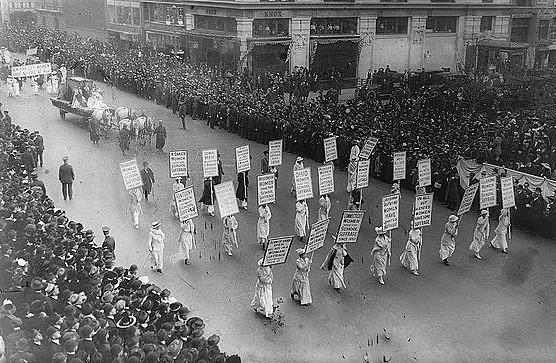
<point>546,48</point>
<point>504,44</point>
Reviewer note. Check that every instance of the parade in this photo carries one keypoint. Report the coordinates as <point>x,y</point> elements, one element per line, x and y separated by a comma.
<point>197,199</point>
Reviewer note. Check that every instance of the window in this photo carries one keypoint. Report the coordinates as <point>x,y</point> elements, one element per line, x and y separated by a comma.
<point>340,1</point>
<point>442,24</point>
<point>271,28</point>
<point>391,26</point>
<point>123,15</point>
<point>487,1</point>
<point>520,30</point>
<point>393,1</point>
<point>486,23</point>
<point>216,23</point>
<point>544,26</point>
<point>161,13</point>
<point>331,26</point>
<point>442,1</point>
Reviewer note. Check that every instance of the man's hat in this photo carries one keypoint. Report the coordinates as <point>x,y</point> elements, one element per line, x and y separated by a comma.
<point>65,158</point>
<point>156,224</point>
<point>106,229</point>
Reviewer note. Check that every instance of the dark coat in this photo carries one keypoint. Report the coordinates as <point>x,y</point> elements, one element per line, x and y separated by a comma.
<point>65,173</point>
<point>147,176</point>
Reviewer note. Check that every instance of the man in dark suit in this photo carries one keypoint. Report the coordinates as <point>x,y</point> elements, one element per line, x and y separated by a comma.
<point>109,243</point>
<point>538,207</point>
<point>28,160</point>
<point>147,176</point>
<point>66,177</point>
<point>39,147</point>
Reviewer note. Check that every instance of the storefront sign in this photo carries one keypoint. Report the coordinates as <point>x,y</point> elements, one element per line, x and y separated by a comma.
<point>303,184</point>
<point>130,174</point>
<point>210,163</point>
<point>330,149</point>
<point>226,197</point>
<point>362,180</point>
<point>326,179</point>
<point>348,231</point>
<point>178,163</point>
<point>266,188</point>
<point>390,211</point>
<point>399,165</point>
<point>422,215</point>
<point>467,199</point>
<point>277,250</point>
<point>243,161</point>
<point>317,235</point>
<point>425,172</point>
<point>275,152</point>
<point>368,148</point>
<point>186,204</point>
<point>487,195</point>
<point>508,195</point>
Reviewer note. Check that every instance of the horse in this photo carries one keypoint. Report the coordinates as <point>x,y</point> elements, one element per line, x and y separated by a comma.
<point>104,119</point>
<point>145,129</point>
<point>123,112</point>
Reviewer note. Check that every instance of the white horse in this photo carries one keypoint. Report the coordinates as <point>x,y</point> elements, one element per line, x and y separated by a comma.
<point>123,112</point>
<point>141,129</point>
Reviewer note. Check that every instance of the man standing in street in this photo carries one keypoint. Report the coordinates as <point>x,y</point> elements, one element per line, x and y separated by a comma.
<point>160,132</point>
<point>147,176</point>
<point>66,177</point>
<point>109,243</point>
<point>156,246</point>
<point>39,147</point>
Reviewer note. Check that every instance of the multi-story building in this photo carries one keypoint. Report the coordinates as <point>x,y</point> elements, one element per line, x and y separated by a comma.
<point>17,11</point>
<point>123,20</point>
<point>86,17</point>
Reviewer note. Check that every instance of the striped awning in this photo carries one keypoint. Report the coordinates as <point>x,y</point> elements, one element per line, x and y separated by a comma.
<point>504,44</point>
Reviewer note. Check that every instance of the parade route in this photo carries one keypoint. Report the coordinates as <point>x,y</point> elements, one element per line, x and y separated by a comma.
<point>499,309</point>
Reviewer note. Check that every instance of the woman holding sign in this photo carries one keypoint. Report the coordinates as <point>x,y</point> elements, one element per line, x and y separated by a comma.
<point>334,262</point>
<point>301,290</point>
<point>500,239</point>
<point>481,233</point>
<point>207,199</point>
<point>241,192</point>
<point>380,254</point>
<point>410,256</point>
<point>263,224</point>
<point>229,238</point>
<point>262,301</point>
<point>301,218</point>
<point>135,205</point>
<point>324,208</point>
<point>186,240</point>
<point>448,240</point>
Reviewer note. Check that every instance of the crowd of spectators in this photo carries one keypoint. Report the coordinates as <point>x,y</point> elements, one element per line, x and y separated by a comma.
<point>62,297</point>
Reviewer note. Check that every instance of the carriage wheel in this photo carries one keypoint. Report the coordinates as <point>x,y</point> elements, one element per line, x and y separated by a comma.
<point>62,114</point>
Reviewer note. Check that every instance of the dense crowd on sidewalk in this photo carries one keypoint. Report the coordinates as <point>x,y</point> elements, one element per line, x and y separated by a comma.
<point>62,297</point>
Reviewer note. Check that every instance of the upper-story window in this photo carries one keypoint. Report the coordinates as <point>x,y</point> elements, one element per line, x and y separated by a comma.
<point>520,30</point>
<point>331,26</point>
<point>391,25</point>
<point>271,28</point>
<point>442,24</point>
<point>216,23</point>
<point>544,27</point>
<point>486,23</point>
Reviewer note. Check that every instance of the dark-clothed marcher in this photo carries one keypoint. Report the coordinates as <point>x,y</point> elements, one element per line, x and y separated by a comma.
<point>66,177</point>
<point>147,176</point>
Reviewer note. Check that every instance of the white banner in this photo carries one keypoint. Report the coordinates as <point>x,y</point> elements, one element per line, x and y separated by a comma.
<point>226,197</point>
<point>186,204</point>
<point>425,172</point>
<point>399,165</point>
<point>275,152</point>
<point>368,148</point>
<point>330,149</point>
<point>266,188</point>
<point>467,199</point>
<point>210,163</point>
<point>243,161</point>
<point>487,189</point>
<point>349,226</point>
<point>326,179</point>
<point>362,180</point>
<point>423,210</point>
<point>277,250</point>
<point>390,211</point>
<point>130,174</point>
<point>303,184</point>
<point>178,163</point>
<point>32,70</point>
<point>507,188</point>
<point>317,235</point>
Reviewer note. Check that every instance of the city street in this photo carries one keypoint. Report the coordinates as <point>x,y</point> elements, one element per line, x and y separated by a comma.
<point>499,309</point>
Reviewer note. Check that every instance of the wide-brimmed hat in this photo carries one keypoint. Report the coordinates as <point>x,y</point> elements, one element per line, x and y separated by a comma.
<point>299,159</point>
<point>453,218</point>
<point>156,224</point>
<point>484,212</point>
<point>300,251</point>
<point>106,229</point>
<point>260,262</point>
<point>504,211</point>
<point>380,230</point>
<point>126,321</point>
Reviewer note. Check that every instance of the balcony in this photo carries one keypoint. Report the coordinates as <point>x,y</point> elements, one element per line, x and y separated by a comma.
<point>50,8</point>
<point>123,28</point>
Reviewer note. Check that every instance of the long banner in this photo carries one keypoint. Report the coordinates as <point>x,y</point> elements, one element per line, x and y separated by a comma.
<point>226,197</point>
<point>275,152</point>
<point>178,163</point>
<point>425,172</point>
<point>390,211</point>
<point>326,179</point>
<point>186,204</point>
<point>467,199</point>
<point>508,195</point>
<point>422,215</point>
<point>330,149</point>
<point>487,189</point>
<point>32,70</point>
<point>317,235</point>
<point>277,250</point>
<point>348,231</point>
<point>266,189</point>
<point>399,165</point>
<point>303,184</point>
<point>368,148</point>
<point>130,174</point>
<point>210,163</point>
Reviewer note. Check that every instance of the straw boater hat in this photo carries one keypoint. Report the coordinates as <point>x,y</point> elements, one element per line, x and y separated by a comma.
<point>299,159</point>
<point>453,218</point>
<point>484,212</point>
<point>379,230</point>
<point>156,224</point>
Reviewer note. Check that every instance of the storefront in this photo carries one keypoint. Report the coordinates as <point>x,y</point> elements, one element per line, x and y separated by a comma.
<point>269,56</point>
<point>500,54</point>
<point>330,56</point>
<point>212,50</point>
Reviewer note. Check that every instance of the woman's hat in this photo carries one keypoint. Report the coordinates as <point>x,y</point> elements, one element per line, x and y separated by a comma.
<point>453,218</point>
<point>156,224</point>
<point>504,211</point>
<point>299,159</point>
<point>126,321</point>
<point>484,212</point>
<point>260,262</point>
<point>380,230</point>
<point>300,251</point>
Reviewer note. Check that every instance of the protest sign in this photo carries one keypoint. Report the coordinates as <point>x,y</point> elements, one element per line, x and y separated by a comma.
<point>425,172</point>
<point>32,70</point>
<point>178,163</point>
<point>368,148</point>
<point>349,226</point>
<point>390,211</point>
<point>277,250</point>
<point>317,235</point>
<point>226,197</point>
<point>507,188</point>
<point>275,152</point>
<point>303,183</point>
<point>422,214</point>
<point>130,174</point>
<point>487,189</point>
<point>266,189</point>
<point>186,204</point>
<point>399,165</point>
<point>243,161</point>
<point>362,180</point>
<point>467,199</point>
<point>210,163</point>
<point>326,179</point>
<point>330,149</point>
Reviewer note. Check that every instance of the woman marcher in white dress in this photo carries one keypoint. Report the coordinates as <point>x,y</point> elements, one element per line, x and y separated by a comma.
<point>297,166</point>
<point>263,224</point>
<point>10,83</point>
<point>156,246</point>
<point>448,240</point>
<point>135,205</point>
<point>262,301</point>
<point>229,237</point>
<point>187,240</point>
<point>35,86</point>
<point>15,85</point>
<point>410,256</point>
<point>54,84</point>
<point>500,240</point>
<point>49,84</point>
<point>301,218</point>
<point>481,233</point>
<point>301,290</point>
<point>176,187</point>
<point>381,254</point>
<point>324,208</point>
<point>334,262</point>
